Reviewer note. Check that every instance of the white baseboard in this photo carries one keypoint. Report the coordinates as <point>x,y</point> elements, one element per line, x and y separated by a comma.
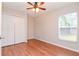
<point>58,45</point>
<point>14,43</point>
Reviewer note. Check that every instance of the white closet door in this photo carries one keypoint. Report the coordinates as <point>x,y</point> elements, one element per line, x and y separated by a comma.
<point>13,30</point>
<point>19,30</point>
<point>7,30</point>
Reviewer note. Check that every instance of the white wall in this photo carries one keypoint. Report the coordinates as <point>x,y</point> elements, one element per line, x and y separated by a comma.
<point>46,27</point>
<point>30,28</point>
<point>14,26</point>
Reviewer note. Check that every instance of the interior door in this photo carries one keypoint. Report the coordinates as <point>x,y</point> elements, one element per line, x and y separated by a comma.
<point>7,30</point>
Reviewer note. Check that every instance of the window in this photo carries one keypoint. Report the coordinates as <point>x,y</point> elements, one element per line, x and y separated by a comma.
<point>68,27</point>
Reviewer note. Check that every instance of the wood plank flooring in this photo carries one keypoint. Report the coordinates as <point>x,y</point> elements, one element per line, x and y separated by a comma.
<point>36,48</point>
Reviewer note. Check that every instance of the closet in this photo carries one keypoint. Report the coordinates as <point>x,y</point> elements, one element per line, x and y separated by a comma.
<point>13,29</point>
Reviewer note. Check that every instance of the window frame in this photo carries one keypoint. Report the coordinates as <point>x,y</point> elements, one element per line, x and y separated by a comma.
<point>76,27</point>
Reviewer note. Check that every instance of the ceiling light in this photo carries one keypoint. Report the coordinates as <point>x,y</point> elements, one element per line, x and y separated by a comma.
<point>37,10</point>
<point>36,7</point>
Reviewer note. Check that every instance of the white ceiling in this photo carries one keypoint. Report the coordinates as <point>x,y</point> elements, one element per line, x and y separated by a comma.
<point>21,6</point>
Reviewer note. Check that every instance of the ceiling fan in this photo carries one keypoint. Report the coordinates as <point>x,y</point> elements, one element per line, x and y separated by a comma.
<point>36,6</point>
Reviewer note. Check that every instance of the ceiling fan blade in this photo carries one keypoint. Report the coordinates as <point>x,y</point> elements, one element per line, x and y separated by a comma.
<point>41,3</point>
<point>30,8</point>
<point>30,3</point>
<point>42,8</point>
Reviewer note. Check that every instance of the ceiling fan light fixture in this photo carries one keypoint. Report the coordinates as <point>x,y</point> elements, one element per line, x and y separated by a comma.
<point>35,9</point>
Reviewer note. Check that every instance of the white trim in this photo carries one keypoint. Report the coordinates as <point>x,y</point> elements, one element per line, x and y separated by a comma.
<point>13,44</point>
<point>59,45</point>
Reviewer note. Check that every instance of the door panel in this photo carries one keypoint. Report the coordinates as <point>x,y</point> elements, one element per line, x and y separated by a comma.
<point>13,30</point>
<point>7,30</point>
<point>19,30</point>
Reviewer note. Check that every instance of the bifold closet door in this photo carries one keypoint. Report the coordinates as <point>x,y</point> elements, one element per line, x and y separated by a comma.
<point>7,30</point>
<point>13,30</point>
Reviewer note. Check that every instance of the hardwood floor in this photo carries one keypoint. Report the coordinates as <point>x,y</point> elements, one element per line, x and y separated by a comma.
<point>36,48</point>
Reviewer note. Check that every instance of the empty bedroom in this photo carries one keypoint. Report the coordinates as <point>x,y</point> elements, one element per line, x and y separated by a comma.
<point>39,29</point>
